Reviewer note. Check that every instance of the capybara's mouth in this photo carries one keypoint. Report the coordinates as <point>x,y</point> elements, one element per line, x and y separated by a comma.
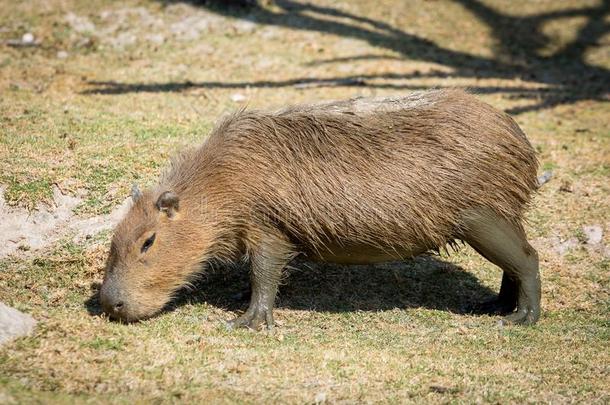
<point>128,318</point>
<point>122,314</point>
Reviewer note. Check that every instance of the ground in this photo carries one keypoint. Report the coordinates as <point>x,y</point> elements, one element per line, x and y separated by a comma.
<point>96,95</point>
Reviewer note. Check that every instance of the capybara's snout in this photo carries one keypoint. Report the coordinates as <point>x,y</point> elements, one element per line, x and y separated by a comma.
<point>114,304</point>
<point>123,301</point>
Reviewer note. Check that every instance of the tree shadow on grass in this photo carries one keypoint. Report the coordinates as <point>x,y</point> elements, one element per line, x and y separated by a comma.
<point>565,74</point>
<point>424,281</point>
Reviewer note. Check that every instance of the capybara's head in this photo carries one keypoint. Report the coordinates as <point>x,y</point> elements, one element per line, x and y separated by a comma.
<point>152,255</point>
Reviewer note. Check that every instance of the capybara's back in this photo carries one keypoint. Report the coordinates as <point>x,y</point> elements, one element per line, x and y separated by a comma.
<point>357,181</point>
<point>395,173</point>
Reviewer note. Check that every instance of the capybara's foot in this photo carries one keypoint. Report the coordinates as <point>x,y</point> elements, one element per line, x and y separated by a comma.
<point>253,319</point>
<point>524,316</point>
<point>496,306</point>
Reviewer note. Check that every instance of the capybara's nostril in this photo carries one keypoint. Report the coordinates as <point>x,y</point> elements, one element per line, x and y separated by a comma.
<point>111,304</point>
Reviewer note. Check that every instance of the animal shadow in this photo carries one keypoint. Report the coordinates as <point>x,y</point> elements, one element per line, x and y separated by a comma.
<point>424,281</point>
<point>92,304</point>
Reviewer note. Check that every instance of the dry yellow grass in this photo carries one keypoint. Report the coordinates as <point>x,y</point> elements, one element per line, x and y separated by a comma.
<point>114,88</point>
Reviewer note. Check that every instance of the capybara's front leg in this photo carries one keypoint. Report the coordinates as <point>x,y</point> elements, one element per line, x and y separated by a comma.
<point>269,256</point>
<point>505,245</point>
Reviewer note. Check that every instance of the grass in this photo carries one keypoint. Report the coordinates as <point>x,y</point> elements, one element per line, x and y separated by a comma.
<point>112,112</point>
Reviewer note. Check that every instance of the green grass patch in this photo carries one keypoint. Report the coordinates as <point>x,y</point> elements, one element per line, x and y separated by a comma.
<point>27,193</point>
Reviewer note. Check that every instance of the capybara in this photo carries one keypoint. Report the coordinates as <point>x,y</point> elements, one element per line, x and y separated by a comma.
<point>359,181</point>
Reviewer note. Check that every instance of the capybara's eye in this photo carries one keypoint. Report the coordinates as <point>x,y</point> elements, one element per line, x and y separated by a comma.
<point>148,243</point>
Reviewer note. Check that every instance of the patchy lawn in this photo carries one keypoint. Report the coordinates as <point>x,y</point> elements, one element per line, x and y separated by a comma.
<point>104,92</point>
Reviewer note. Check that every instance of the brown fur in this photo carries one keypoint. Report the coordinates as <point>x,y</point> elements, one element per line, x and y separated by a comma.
<point>392,175</point>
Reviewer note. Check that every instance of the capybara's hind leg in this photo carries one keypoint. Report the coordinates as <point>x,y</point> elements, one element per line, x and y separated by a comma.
<point>268,257</point>
<point>505,245</point>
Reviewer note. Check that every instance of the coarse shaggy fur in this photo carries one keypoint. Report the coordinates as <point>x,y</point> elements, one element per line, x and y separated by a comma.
<point>394,173</point>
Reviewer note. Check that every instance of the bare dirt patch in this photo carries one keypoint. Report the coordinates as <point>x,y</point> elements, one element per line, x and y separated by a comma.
<point>23,231</point>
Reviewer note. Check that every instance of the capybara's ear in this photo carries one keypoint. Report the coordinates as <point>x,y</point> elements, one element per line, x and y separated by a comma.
<point>136,194</point>
<point>168,203</point>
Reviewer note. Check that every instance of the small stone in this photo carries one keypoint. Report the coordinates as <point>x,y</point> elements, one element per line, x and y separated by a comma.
<point>62,55</point>
<point>14,324</point>
<point>545,177</point>
<point>238,97</point>
<point>27,38</point>
<point>593,234</point>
